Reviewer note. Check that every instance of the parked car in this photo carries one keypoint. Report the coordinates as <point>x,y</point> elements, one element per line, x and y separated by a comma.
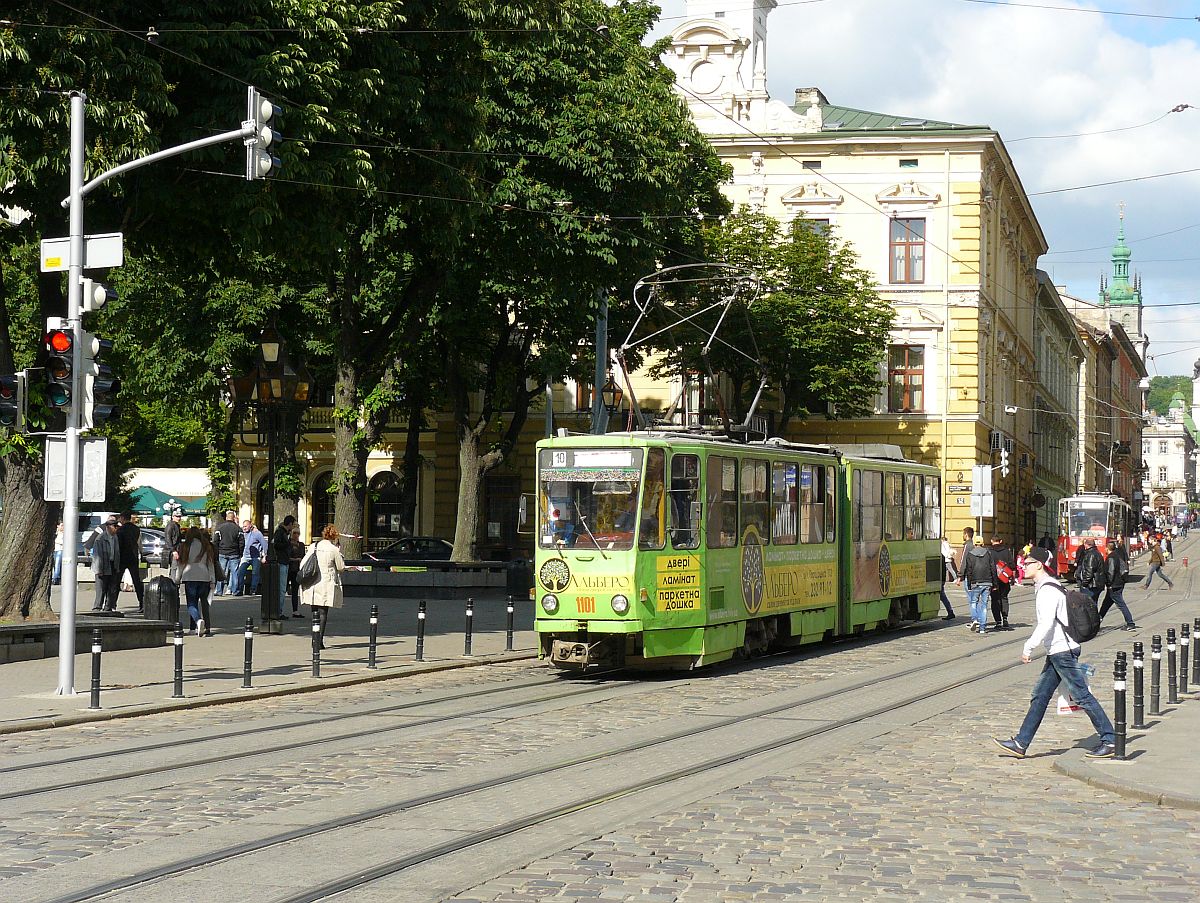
<point>153,540</point>
<point>413,548</point>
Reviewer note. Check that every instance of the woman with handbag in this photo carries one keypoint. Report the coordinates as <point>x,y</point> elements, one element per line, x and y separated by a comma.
<point>325,592</point>
<point>198,572</point>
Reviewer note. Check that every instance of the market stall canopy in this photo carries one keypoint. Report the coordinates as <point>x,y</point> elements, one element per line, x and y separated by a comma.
<point>148,500</point>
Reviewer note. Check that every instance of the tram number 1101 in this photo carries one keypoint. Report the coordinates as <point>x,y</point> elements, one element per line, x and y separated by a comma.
<point>587,605</point>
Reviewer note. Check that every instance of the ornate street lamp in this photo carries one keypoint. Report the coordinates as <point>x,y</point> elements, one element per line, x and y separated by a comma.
<point>611,394</point>
<point>277,392</point>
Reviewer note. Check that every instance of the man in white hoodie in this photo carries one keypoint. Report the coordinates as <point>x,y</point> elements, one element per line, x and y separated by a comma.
<point>1062,664</point>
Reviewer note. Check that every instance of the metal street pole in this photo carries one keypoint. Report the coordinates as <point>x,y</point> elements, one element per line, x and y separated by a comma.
<point>66,621</point>
<point>599,414</point>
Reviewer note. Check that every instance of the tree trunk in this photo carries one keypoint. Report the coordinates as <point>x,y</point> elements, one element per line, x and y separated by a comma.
<point>410,476</point>
<point>349,464</point>
<point>470,488</point>
<point>26,538</point>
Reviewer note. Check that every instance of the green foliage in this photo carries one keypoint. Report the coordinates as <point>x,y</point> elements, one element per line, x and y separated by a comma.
<point>1163,389</point>
<point>819,326</point>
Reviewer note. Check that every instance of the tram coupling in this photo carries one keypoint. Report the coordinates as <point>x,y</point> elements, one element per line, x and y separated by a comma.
<point>576,655</point>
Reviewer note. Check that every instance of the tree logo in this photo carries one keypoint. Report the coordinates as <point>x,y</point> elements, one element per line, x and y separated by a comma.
<point>885,569</point>
<point>753,571</point>
<point>554,575</point>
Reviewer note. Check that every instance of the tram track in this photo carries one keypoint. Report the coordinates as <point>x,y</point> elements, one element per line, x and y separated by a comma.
<point>279,839</point>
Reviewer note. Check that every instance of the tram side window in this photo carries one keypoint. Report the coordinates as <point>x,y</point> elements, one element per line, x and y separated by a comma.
<point>721,480</point>
<point>893,506</point>
<point>812,503</point>
<point>914,517</point>
<point>685,501</point>
<point>830,504</point>
<point>784,504</point>
<point>755,498</point>
<point>868,506</point>
<point>933,507</point>
<point>650,523</point>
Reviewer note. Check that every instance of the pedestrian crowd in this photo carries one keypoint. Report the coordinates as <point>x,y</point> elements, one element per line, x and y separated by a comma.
<point>228,561</point>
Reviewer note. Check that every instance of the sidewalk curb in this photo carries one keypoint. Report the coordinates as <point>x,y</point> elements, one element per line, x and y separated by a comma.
<point>1074,765</point>
<point>311,685</point>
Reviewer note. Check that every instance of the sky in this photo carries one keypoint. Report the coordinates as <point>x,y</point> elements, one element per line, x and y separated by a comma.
<point>1114,66</point>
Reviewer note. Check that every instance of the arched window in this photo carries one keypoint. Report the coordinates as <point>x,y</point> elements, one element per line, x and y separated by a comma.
<point>384,516</point>
<point>321,503</point>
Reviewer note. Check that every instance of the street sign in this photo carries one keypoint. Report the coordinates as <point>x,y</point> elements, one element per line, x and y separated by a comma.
<point>93,469</point>
<point>958,487</point>
<point>983,505</point>
<point>981,477</point>
<point>99,252</point>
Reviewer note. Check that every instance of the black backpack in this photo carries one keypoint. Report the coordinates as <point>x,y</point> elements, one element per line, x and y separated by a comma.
<point>1083,620</point>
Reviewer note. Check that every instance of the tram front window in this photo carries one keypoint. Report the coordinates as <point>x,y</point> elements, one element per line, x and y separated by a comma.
<point>589,498</point>
<point>1088,519</point>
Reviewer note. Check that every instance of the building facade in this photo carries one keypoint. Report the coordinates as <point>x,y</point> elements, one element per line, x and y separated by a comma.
<point>1169,450</point>
<point>936,211</point>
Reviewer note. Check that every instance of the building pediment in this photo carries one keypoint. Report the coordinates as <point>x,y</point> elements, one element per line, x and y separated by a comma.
<point>907,196</point>
<point>811,196</point>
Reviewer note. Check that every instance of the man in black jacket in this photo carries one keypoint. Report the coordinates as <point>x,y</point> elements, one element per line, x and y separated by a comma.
<point>106,558</point>
<point>1116,569</point>
<point>1089,569</point>
<point>129,540</point>
<point>979,572</point>
<point>230,541</point>
<point>280,556</point>
<point>1001,589</point>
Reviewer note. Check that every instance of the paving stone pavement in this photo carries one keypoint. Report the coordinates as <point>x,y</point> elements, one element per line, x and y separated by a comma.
<point>927,812</point>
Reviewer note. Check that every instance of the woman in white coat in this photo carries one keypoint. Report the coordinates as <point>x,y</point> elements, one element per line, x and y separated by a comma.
<point>326,593</point>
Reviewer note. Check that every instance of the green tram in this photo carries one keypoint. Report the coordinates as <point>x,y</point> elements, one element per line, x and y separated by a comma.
<point>677,550</point>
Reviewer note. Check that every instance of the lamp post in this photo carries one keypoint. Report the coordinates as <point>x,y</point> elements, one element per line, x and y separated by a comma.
<point>278,391</point>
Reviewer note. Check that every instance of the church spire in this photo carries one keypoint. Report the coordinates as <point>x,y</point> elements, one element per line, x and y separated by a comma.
<point>1121,292</point>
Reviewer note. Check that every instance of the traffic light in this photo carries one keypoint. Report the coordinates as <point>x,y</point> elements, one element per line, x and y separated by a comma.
<point>259,112</point>
<point>60,345</point>
<point>95,295</point>
<point>12,401</point>
<point>1004,462</point>
<point>100,387</point>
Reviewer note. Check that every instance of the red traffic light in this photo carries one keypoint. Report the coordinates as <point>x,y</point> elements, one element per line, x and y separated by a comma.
<point>59,341</point>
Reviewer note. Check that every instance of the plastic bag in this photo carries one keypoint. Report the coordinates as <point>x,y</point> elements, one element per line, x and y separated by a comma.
<point>1066,702</point>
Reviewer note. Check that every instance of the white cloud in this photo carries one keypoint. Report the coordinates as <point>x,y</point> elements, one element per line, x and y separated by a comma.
<point>1036,72</point>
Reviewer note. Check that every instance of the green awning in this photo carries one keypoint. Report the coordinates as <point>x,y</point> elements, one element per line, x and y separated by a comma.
<point>148,500</point>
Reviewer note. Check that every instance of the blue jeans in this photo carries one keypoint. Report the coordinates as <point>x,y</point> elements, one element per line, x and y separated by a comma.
<point>978,596</point>
<point>1116,597</point>
<point>1064,668</point>
<point>1094,592</point>
<point>1157,569</point>
<point>283,572</point>
<point>195,590</point>
<point>239,582</point>
<point>228,565</point>
<point>56,577</point>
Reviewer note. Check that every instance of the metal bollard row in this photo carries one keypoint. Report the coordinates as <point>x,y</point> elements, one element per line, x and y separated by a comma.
<point>1172,674</point>
<point>1156,675</point>
<point>1139,700</point>
<point>1184,642</point>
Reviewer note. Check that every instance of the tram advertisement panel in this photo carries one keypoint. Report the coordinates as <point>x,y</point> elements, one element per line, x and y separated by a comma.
<point>785,578</point>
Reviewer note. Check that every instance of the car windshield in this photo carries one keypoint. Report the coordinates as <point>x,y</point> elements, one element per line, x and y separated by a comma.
<point>588,497</point>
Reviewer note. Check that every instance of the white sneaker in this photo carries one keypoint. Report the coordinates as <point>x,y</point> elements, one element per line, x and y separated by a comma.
<point>200,627</point>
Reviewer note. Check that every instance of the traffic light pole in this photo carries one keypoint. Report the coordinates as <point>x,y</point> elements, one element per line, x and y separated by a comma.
<point>66,615</point>
<point>250,129</point>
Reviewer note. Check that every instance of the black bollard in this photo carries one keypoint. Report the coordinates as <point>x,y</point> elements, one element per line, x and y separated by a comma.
<point>470,623</point>
<point>371,653</point>
<point>1196,650</point>
<point>508,642</point>
<point>421,631</point>
<point>248,664</point>
<point>1155,675</point>
<point>97,644</point>
<point>316,640</point>
<point>1139,699</point>
<point>178,694</point>
<point>1172,675</point>
<point>1119,705</point>
<point>1185,640</point>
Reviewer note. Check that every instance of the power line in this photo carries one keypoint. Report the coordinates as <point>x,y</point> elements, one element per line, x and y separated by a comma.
<point>1127,128</point>
<point>1081,9</point>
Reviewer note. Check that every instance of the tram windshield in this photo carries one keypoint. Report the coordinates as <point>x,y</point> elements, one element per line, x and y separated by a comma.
<point>1087,517</point>
<point>588,498</point>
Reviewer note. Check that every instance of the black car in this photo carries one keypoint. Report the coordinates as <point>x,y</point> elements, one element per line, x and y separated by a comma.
<point>413,548</point>
<point>153,540</point>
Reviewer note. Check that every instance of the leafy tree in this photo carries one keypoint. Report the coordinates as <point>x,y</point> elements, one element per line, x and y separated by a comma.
<point>1163,389</point>
<point>819,326</point>
<point>594,173</point>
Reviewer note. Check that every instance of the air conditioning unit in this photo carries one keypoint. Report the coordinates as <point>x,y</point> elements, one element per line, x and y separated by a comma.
<point>994,438</point>
<point>1009,445</point>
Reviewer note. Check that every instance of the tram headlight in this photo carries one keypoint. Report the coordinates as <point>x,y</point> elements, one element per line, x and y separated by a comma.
<point>620,604</point>
<point>549,603</point>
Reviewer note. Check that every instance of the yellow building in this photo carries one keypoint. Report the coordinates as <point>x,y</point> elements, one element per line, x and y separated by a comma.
<point>936,211</point>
